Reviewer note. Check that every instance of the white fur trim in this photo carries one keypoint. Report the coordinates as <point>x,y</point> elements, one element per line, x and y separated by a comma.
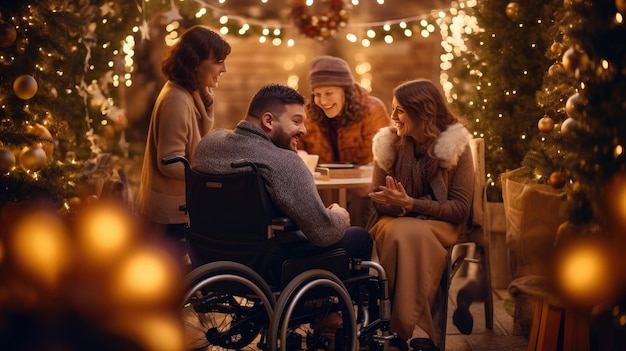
<point>448,148</point>
<point>451,144</point>
<point>383,147</point>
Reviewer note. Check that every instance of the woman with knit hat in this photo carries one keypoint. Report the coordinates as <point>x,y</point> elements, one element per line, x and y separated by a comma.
<point>424,180</point>
<point>342,120</point>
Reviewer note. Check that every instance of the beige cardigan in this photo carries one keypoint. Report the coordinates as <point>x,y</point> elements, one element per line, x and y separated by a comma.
<point>179,120</point>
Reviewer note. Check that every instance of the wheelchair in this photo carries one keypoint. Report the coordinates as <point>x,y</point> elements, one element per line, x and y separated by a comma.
<point>256,284</point>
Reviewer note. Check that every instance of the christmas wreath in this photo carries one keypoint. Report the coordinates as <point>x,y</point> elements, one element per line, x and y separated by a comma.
<point>334,15</point>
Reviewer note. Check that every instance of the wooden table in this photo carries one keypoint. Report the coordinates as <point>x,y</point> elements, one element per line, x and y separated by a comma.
<point>340,185</point>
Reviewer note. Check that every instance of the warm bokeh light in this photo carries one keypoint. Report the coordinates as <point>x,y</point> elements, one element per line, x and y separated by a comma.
<point>154,332</point>
<point>615,202</point>
<point>145,277</point>
<point>40,248</point>
<point>105,231</point>
<point>162,333</point>
<point>50,278</point>
<point>585,272</point>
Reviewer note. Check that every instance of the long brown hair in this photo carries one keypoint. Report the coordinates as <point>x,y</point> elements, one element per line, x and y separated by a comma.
<point>423,102</point>
<point>196,44</point>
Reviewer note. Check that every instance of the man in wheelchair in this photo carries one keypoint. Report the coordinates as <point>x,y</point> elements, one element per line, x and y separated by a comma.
<point>268,138</point>
<point>324,298</point>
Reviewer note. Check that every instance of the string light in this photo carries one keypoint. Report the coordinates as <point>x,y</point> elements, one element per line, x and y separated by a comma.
<point>365,33</point>
<point>454,28</point>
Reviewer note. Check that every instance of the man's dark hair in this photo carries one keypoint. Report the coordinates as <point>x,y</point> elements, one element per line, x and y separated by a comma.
<point>273,98</point>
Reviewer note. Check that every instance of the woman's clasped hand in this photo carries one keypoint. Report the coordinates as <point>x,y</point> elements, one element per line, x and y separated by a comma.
<point>392,193</point>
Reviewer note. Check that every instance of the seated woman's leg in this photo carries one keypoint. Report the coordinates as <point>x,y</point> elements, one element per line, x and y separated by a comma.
<point>413,256</point>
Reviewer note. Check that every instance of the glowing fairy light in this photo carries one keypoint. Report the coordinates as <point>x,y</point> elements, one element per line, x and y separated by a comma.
<point>40,247</point>
<point>584,272</point>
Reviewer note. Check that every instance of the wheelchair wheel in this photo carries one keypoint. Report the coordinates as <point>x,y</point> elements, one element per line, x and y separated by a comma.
<point>225,307</point>
<point>313,312</point>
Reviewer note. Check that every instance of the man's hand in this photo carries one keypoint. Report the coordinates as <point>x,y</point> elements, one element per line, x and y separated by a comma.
<point>336,208</point>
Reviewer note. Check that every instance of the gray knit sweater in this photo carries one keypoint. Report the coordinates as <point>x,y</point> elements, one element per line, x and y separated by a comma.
<point>289,182</point>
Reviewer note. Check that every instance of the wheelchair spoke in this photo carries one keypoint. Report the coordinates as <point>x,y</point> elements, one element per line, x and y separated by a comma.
<point>225,312</point>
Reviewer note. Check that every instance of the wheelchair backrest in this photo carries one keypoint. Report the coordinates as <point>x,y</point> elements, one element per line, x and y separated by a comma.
<point>228,207</point>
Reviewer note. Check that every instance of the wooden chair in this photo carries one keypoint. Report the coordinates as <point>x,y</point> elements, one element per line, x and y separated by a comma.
<point>476,241</point>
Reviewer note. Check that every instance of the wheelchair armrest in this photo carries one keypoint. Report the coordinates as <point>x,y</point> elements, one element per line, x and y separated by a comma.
<point>284,230</point>
<point>173,159</point>
<point>283,224</point>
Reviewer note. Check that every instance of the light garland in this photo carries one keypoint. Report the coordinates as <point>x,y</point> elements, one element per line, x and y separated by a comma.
<point>454,28</point>
<point>364,33</point>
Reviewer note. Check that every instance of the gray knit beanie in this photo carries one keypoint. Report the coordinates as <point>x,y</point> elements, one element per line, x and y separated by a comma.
<point>330,72</point>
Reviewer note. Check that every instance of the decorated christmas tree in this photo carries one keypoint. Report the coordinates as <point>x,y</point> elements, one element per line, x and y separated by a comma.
<point>580,148</point>
<point>69,278</point>
<point>61,66</point>
<point>590,263</point>
<point>495,81</point>
<point>557,98</point>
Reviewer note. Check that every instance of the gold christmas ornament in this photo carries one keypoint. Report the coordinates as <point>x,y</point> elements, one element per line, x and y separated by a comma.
<point>555,69</point>
<point>546,124</point>
<point>558,16</point>
<point>574,107</point>
<point>8,34</point>
<point>108,132</point>
<point>556,48</point>
<point>42,131</point>
<point>33,158</point>
<point>74,203</point>
<point>7,160</point>
<point>575,61</point>
<point>513,11</point>
<point>25,87</point>
<point>557,179</point>
<point>568,126</point>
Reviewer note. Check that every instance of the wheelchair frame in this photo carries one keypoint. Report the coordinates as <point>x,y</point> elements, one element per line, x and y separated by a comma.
<point>261,314</point>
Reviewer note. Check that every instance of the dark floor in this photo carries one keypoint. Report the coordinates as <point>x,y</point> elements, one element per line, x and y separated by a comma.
<point>505,336</point>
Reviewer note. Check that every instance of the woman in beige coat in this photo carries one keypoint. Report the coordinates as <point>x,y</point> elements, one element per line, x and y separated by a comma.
<point>423,180</point>
<point>182,115</point>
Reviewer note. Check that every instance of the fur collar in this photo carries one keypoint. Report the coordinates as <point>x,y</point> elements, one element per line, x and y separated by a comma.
<point>448,148</point>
